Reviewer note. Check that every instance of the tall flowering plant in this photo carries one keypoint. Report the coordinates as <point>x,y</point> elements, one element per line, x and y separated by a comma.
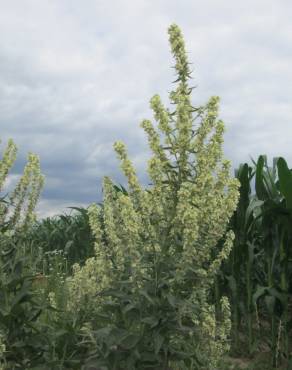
<point>156,249</point>
<point>19,337</point>
<point>17,210</point>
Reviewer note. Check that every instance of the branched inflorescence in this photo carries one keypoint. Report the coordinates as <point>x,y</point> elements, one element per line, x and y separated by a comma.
<point>19,210</point>
<point>16,215</point>
<point>181,216</point>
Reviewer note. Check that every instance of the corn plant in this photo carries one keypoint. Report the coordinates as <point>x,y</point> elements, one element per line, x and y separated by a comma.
<point>258,271</point>
<point>274,188</point>
<point>68,234</point>
<point>240,269</point>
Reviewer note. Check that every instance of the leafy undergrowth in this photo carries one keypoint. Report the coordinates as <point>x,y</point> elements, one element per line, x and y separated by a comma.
<point>260,361</point>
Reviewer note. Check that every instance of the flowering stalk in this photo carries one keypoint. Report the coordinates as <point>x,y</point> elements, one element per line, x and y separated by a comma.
<point>179,219</point>
<point>24,197</point>
<point>26,193</point>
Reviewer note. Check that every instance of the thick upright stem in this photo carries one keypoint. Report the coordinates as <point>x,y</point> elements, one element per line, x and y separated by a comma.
<point>284,288</point>
<point>249,305</point>
<point>273,321</point>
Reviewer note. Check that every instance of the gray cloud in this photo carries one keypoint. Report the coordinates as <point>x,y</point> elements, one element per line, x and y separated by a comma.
<point>76,77</point>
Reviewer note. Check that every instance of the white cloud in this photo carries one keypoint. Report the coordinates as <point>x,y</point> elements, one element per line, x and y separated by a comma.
<point>76,77</point>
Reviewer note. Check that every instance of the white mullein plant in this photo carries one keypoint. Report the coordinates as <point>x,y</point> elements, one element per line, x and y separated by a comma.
<point>182,215</point>
<point>19,211</point>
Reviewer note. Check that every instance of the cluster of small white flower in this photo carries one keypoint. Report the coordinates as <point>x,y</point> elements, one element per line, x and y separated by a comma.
<point>26,193</point>
<point>183,214</point>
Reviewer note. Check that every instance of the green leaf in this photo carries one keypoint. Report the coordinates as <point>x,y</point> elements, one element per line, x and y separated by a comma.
<point>259,182</point>
<point>129,307</point>
<point>172,300</point>
<point>22,296</point>
<point>158,342</point>
<point>285,180</point>
<point>150,320</point>
<point>260,291</point>
<point>130,341</point>
<point>243,176</point>
<point>144,293</point>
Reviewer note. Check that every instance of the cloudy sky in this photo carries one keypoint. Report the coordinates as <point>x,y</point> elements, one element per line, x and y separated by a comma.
<point>77,75</point>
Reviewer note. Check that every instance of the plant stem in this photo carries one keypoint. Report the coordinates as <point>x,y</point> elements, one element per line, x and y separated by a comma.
<point>283,265</point>
<point>249,305</point>
<point>273,321</point>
